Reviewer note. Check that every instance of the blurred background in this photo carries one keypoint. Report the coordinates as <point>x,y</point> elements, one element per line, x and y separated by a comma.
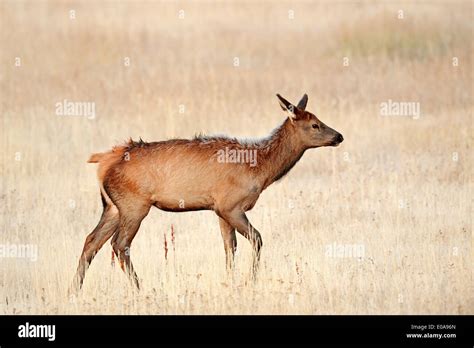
<point>399,187</point>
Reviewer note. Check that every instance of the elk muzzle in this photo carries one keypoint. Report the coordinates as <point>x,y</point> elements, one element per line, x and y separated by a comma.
<point>338,138</point>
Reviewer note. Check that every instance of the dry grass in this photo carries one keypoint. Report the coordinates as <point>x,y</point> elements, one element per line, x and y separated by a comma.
<point>392,187</point>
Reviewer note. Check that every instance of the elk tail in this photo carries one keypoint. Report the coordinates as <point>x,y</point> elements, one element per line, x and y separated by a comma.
<point>96,157</point>
<point>106,160</point>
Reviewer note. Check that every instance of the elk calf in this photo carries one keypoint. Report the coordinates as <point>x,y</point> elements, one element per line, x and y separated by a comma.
<point>204,173</point>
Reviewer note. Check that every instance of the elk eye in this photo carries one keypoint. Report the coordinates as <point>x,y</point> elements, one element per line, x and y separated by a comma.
<point>315,126</point>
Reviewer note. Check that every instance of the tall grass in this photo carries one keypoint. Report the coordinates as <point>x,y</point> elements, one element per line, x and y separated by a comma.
<point>398,188</point>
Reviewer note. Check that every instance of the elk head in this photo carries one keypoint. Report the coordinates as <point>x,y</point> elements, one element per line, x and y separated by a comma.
<point>307,127</point>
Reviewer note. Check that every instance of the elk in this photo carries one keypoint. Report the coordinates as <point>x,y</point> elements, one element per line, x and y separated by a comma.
<point>187,175</point>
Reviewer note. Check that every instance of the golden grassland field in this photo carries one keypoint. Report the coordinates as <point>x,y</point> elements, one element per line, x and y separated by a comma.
<point>381,224</point>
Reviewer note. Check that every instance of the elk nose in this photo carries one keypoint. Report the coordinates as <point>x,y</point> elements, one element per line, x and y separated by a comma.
<point>339,138</point>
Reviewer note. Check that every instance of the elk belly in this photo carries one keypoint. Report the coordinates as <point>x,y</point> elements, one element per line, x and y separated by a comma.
<point>181,204</point>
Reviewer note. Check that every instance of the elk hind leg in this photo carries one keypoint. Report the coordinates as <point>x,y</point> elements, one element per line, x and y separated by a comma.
<point>106,227</point>
<point>130,220</point>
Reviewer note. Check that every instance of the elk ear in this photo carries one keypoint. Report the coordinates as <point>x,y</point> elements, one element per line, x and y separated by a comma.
<point>286,105</point>
<point>302,103</point>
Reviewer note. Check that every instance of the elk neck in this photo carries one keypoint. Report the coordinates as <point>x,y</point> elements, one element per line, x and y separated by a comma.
<point>279,153</point>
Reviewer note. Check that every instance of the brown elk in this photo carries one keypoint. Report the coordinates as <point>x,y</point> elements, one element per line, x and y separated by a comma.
<point>205,173</point>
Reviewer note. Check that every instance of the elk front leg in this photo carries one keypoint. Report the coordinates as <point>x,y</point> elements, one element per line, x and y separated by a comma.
<point>230,242</point>
<point>239,221</point>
